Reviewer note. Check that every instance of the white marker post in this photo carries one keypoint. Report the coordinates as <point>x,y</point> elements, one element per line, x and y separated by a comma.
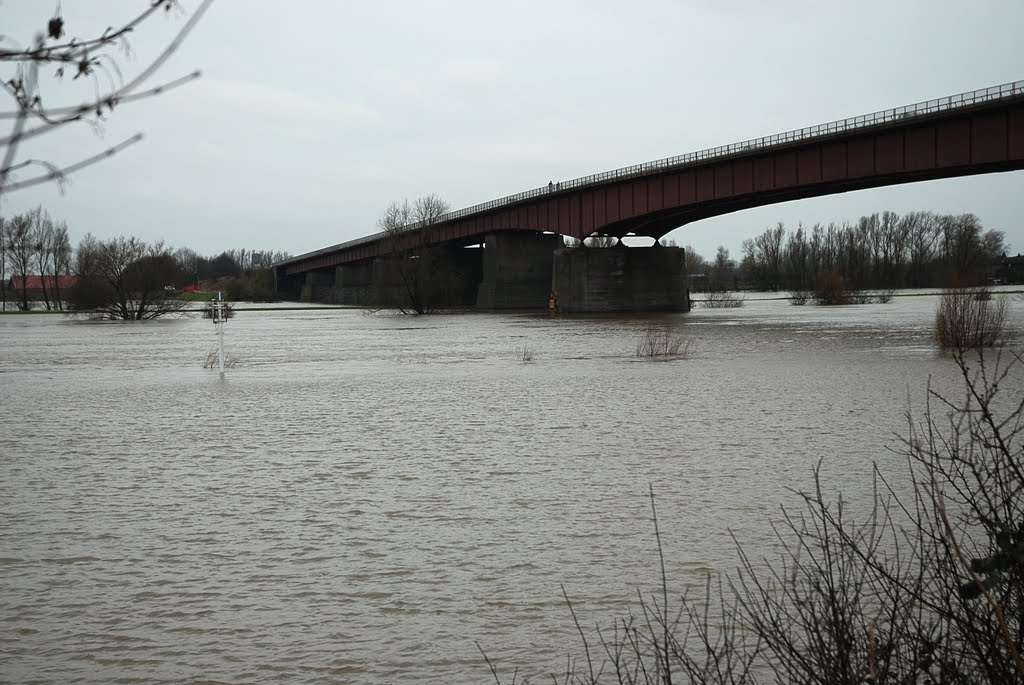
<point>217,307</point>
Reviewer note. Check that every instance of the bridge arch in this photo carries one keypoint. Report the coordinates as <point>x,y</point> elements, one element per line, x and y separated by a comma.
<point>978,132</point>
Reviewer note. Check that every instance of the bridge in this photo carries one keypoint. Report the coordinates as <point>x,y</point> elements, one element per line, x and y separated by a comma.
<point>523,256</point>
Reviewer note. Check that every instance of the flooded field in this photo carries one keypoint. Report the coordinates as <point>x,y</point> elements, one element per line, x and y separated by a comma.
<point>362,498</point>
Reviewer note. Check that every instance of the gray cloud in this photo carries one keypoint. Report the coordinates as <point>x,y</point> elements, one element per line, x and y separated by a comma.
<point>312,116</point>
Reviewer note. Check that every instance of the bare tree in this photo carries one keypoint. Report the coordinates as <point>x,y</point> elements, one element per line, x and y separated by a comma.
<point>797,259</point>
<point>410,278</point>
<point>967,250</point>
<point>124,278</point>
<point>696,265</point>
<point>40,232</point>
<point>762,257</point>
<point>894,236</point>
<point>770,243</point>
<point>58,247</point>
<point>922,229</point>
<point>723,270</point>
<point>20,251</point>
<point>33,115</point>
<point>3,264</point>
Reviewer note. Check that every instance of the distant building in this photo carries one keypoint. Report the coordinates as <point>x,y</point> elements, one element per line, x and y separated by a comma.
<point>1010,269</point>
<point>34,285</point>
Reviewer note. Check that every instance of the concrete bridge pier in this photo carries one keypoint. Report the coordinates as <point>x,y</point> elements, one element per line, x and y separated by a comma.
<point>318,286</point>
<point>620,279</point>
<point>353,282</point>
<point>440,276</point>
<point>288,287</point>
<point>517,270</point>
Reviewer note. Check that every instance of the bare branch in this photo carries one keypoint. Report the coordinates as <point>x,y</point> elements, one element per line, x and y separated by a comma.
<point>59,174</point>
<point>89,60</point>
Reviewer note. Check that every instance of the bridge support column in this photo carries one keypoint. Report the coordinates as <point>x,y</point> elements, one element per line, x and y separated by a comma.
<point>437,277</point>
<point>288,287</point>
<point>620,279</point>
<point>353,283</point>
<point>319,287</point>
<point>517,270</point>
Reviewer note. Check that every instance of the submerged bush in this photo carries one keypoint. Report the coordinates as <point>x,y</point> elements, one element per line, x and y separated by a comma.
<point>830,288</point>
<point>722,299</point>
<point>885,296</point>
<point>799,297</point>
<point>661,342</point>
<point>210,308</point>
<point>212,360</point>
<point>525,353</point>
<point>970,318</point>
<point>252,286</point>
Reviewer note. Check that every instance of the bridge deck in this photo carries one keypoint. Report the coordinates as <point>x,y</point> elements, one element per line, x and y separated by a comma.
<point>894,118</point>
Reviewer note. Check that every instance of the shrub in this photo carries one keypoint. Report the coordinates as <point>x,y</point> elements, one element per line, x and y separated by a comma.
<point>227,307</point>
<point>252,286</point>
<point>212,360</point>
<point>525,354</point>
<point>970,318</point>
<point>830,288</point>
<point>799,297</point>
<point>885,296</point>
<point>661,342</point>
<point>722,299</point>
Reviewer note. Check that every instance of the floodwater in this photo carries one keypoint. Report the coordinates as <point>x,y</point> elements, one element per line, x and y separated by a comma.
<point>364,498</point>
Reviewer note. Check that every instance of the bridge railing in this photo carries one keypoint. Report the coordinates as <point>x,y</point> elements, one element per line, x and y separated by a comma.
<point>864,120</point>
<point>950,102</point>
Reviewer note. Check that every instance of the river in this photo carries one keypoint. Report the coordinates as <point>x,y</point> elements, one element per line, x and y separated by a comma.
<point>363,498</point>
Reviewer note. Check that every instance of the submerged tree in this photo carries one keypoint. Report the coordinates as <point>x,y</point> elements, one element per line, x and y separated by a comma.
<point>33,243</point>
<point>410,275</point>
<point>51,247</point>
<point>33,113</point>
<point>3,264</point>
<point>19,250</point>
<point>125,278</point>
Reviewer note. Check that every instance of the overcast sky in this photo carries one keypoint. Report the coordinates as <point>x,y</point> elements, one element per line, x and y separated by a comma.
<point>311,116</point>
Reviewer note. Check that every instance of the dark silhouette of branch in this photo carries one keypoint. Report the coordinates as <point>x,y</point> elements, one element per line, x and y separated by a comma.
<point>79,111</point>
<point>76,49</point>
<point>23,88</point>
<point>60,174</point>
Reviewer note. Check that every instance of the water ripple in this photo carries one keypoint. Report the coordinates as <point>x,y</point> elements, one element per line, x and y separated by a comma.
<point>370,497</point>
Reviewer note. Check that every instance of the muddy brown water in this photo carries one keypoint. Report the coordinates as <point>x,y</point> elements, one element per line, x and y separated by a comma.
<point>363,498</point>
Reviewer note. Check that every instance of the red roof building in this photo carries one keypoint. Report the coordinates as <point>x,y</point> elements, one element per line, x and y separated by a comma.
<point>33,282</point>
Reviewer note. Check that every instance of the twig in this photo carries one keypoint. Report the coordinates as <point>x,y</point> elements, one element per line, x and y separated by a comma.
<point>60,173</point>
<point>490,665</point>
<point>1004,628</point>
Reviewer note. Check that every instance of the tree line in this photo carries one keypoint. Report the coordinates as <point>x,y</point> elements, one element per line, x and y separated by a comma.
<point>122,277</point>
<point>34,243</point>
<point>880,250</point>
